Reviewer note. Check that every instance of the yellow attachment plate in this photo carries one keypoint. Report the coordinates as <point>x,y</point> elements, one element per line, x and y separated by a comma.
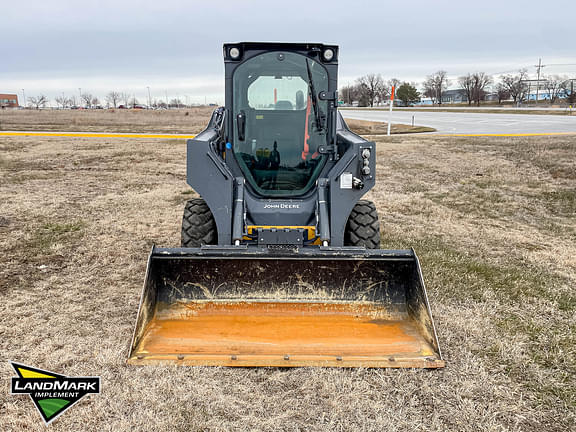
<point>311,230</point>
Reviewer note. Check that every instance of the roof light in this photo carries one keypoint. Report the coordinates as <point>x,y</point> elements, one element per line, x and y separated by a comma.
<point>234,53</point>
<point>328,54</point>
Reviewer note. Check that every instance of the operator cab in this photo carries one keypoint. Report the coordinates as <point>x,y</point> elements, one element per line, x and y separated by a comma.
<point>280,122</point>
<point>277,166</point>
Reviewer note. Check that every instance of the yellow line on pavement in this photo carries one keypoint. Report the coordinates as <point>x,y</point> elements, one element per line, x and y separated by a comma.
<point>94,135</point>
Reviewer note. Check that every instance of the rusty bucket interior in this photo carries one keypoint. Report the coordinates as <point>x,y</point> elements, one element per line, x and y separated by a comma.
<point>230,307</point>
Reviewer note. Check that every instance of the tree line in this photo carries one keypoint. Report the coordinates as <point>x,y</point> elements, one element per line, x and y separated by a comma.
<point>373,89</point>
<point>87,100</point>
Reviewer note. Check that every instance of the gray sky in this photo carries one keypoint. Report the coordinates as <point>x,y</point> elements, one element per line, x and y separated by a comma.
<point>59,46</point>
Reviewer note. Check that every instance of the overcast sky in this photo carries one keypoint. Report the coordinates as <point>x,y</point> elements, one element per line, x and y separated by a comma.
<point>175,47</point>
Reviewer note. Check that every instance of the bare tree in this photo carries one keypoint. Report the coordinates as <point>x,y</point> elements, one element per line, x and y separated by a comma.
<point>113,98</point>
<point>38,101</point>
<point>467,84</point>
<point>63,101</point>
<point>371,87</point>
<point>429,91</point>
<point>555,85</point>
<point>350,94</point>
<point>125,99</point>
<point>133,101</point>
<point>435,85</point>
<point>95,102</point>
<point>87,98</point>
<point>516,85</point>
<point>383,93</point>
<point>394,82</point>
<point>570,93</point>
<point>480,81</point>
<point>502,93</point>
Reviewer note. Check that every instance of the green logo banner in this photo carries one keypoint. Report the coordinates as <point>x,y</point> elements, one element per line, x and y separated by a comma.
<point>52,393</point>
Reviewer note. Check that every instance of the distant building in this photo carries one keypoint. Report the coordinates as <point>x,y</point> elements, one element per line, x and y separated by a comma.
<point>8,101</point>
<point>454,96</point>
<point>493,97</point>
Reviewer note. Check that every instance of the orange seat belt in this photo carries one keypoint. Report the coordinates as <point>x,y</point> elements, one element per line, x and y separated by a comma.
<point>306,150</point>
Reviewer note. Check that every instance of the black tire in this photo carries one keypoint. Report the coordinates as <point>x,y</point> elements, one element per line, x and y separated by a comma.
<point>198,224</point>
<point>363,227</point>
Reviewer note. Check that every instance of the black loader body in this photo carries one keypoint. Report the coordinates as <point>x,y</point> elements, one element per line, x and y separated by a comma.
<point>279,263</point>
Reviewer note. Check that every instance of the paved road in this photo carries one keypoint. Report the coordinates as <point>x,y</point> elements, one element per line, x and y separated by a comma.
<point>474,108</point>
<point>472,123</point>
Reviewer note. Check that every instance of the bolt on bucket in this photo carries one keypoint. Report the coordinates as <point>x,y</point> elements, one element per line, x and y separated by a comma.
<point>234,306</point>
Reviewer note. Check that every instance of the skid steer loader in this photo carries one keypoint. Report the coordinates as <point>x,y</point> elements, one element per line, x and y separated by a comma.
<point>280,262</point>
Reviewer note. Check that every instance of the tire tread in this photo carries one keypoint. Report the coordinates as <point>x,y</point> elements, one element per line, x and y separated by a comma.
<point>363,227</point>
<point>198,224</point>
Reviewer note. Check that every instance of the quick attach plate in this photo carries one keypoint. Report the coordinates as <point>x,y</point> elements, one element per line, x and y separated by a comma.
<point>286,236</point>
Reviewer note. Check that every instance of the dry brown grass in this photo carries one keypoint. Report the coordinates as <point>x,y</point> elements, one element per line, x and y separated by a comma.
<point>492,220</point>
<point>190,120</point>
<point>375,129</point>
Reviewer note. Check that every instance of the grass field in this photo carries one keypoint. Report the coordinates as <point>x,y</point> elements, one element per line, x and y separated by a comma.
<point>373,130</point>
<point>183,121</point>
<point>493,220</point>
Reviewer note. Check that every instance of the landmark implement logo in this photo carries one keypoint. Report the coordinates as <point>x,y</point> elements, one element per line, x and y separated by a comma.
<point>52,393</point>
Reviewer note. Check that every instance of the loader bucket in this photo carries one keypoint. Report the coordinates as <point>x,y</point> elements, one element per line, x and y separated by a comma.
<point>234,306</point>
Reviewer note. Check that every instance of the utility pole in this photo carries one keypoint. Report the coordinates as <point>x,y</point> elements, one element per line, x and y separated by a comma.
<point>149,98</point>
<point>349,100</point>
<point>24,97</point>
<point>80,95</point>
<point>166,92</point>
<point>538,67</point>
<point>571,93</point>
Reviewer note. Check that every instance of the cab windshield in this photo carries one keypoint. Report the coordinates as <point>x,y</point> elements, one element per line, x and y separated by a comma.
<point>280,122</point>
